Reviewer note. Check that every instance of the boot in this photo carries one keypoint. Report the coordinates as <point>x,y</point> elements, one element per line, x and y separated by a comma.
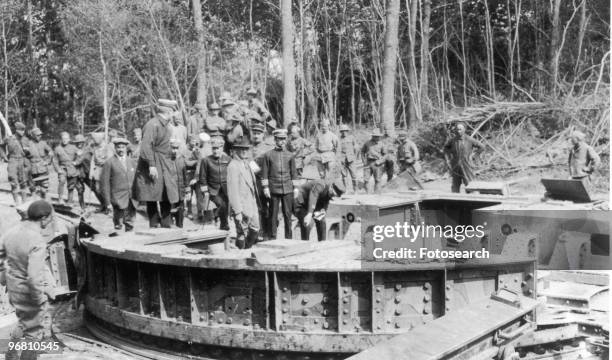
<point>82,201</point>
<point>355,186</point>
<point>251,239</point>
<point>70,197</point>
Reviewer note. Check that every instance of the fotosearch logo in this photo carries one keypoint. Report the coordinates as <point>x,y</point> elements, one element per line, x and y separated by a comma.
<point>412,232</point>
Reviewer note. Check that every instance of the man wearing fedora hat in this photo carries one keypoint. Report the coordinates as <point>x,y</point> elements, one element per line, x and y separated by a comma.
<point>155,180</point>
<point>64,164</point>
<point>17,149</point>
<point>116,185</point>
<point>311,204</point>
<point>40,159</point>
<point>279,177</point>
<point>373,157</point>
<point>80,163</point>
<point>242,196</point>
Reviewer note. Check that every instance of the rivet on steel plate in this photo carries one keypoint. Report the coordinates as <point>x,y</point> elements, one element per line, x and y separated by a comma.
<point>378,289</point>
<point>220,321</point>
<point>229,320</point>
<point>285,299</point>
<point>285,289</point>
<point>325,325</point>
<point>398,312</point>
<point>304,301</point>
<point>378,300</point>
<point>426,298</point>
<point>316,321</point>
<point>345,291</point>
<point>378,327</point>
<point>378,311</point>
<point>398,287</point>
<point>345,311</point>
<point>325,300</point>
<point>247,322</point>
<point>397,299</point>
<point>426,286</point>
<point>344,322</point>
<point>425,311</point>
<point>305,312</point>
<point>524,283</point>
<point>397,325</point>
<point>285,310</point>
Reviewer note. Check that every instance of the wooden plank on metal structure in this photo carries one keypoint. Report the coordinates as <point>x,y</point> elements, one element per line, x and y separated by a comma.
<point>570,190</point>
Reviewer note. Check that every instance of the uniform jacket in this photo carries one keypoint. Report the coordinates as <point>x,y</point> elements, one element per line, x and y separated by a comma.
<point>327,142</point>
<point>372,152</point>
<point>459,151</point>
<point>407,152</point>
<point>257,106</point>
<point>213,173</point>
<point>278,171</point>
<point>242,191</point>
<point>40,157</point>
<point>116,181</point>
<point>582,160</point>
<point>65,158</point>
<point>347,149</point>
<point>99,155</point>
<point>192,157</point>
<point>215,124</point>
<point>155,152</point>
<point>313,196</point>
<point>181,176</point>
<point>23,251</point>
<point>196,124</point>
<point>16,147</point>
<point>298,148</point>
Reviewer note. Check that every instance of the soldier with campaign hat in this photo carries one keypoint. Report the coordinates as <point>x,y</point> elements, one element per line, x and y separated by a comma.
<point>66,155</point>
<point>327,146</point>
<point>300,147</point>
<point>256,105</point>
<point>279,181</point>
<point>23,269</point>
<point>116,185</point>
<point>407,154</point>
<point>242,196</point>
<point>373,157</point>
<point>82,165</point>
<point>311,205</point>
<point>348,155</point>
<point>213,180</point>
<point>17,150</point>
<point>40,158</point>
<point>156,177</point>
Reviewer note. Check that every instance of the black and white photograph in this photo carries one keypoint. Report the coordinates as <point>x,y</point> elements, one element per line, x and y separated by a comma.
<point>305,179</point>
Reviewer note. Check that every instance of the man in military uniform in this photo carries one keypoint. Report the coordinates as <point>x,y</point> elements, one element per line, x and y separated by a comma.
<point>40,159</point>
<point>373,157</point>
<point>213,180</point>
<point>17,148</point>
<point>192,158</point>
<point>214,124</point>
<point>178,129</point>
<point>82,165</point>
<point>583,159</point>
<point>348,155</point>
<point>242,196</point>
<point>408,155</point>
<point>100,152</point>
<point>298,145</point>
<point>278,179</point>
<point>184,190</point>
<point>134,148</point>
<point>156,178</point>
<point>311,205</point>
<point>197,120</point>
<point>261,146</point>
<point>64,164</point>
<point>116,185</point>
<point>458,155</point>
<point>23,250</point>
<point>256,105</point>
<point>327,147</point>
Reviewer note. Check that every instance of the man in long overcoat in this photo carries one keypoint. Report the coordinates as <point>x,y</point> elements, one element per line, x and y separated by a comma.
<point>156,178</point>
<point>458,154</point>
<point>117,175</point>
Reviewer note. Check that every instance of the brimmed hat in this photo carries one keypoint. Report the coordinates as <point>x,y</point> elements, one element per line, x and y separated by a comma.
<point>79,138</point>
<point>242,144</point>
<point>204,137</point>
<point>234,116</point>
<point>280,133</point>
<point>214,106</point>
<point>137,131</point>
<point>39,209</point>
<point>252,115</point>
<point>217,143</point>
<point>344,127</point>
<point>120,140</point>
<point>338,187</point>
<point>258,127</point>
<point>228,102</point>
<point>377,133</point>
<point>225,95</point>
<point>19,126</point>
<point>174,143</point>
<point>199,106</point>
<point>173,104</point>
<point>402,135</point>
<point>36,131</point>
<point>251,91</point>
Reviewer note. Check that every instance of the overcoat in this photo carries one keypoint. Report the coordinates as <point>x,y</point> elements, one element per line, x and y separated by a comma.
<point>116,181</point>
<point>241,190</point>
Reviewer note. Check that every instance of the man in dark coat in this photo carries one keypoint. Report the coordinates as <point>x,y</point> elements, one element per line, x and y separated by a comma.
<point>261,145</point>
<point>278,180</point>
<point>213,180</point>
<point>156,179</point>
<point>40,159</point>
<point>311,204</point>
<point>116,185</point>
<point>82,164</point>
<point>17,149</point>
<point>458,154</point>
<point>184,191</point>
<point>583,159</point>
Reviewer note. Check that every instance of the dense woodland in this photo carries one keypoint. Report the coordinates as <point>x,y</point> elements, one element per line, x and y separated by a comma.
<point>68,64</point>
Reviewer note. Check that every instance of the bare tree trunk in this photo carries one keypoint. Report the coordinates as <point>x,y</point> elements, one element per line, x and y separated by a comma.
<point>289,92</point>
<point>413,88</point>
<point>199,27</point>
<point>426,11</point>
<point>5,57</point>
<point>104,88</point>
<point>554,44</point>
<point>464,60</point>
<point>581,31</point>
<point>390,67</point>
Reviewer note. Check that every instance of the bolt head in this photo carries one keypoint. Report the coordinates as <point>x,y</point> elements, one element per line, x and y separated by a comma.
<point>398,287</point>
<point>345,311</point>
<point>304,301</point>
<point>285,310</point>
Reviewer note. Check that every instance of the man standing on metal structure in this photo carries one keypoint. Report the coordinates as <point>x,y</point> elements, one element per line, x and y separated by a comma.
<point>213,180</point>
<point>583,159</point>
<point>40,159</point>
<point>458,154</point>
<point>327,147</point>
<point>348,155</point>
<point>261,145</point>
<point>81,165</point>
<point>155,181</point>
<point>23,250</point>
<point>242,195</point>
<point>64,161</point>
<point>278,179</point>
<point>17,149</point>
<point>116,185</point>
<point>373,157</point>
